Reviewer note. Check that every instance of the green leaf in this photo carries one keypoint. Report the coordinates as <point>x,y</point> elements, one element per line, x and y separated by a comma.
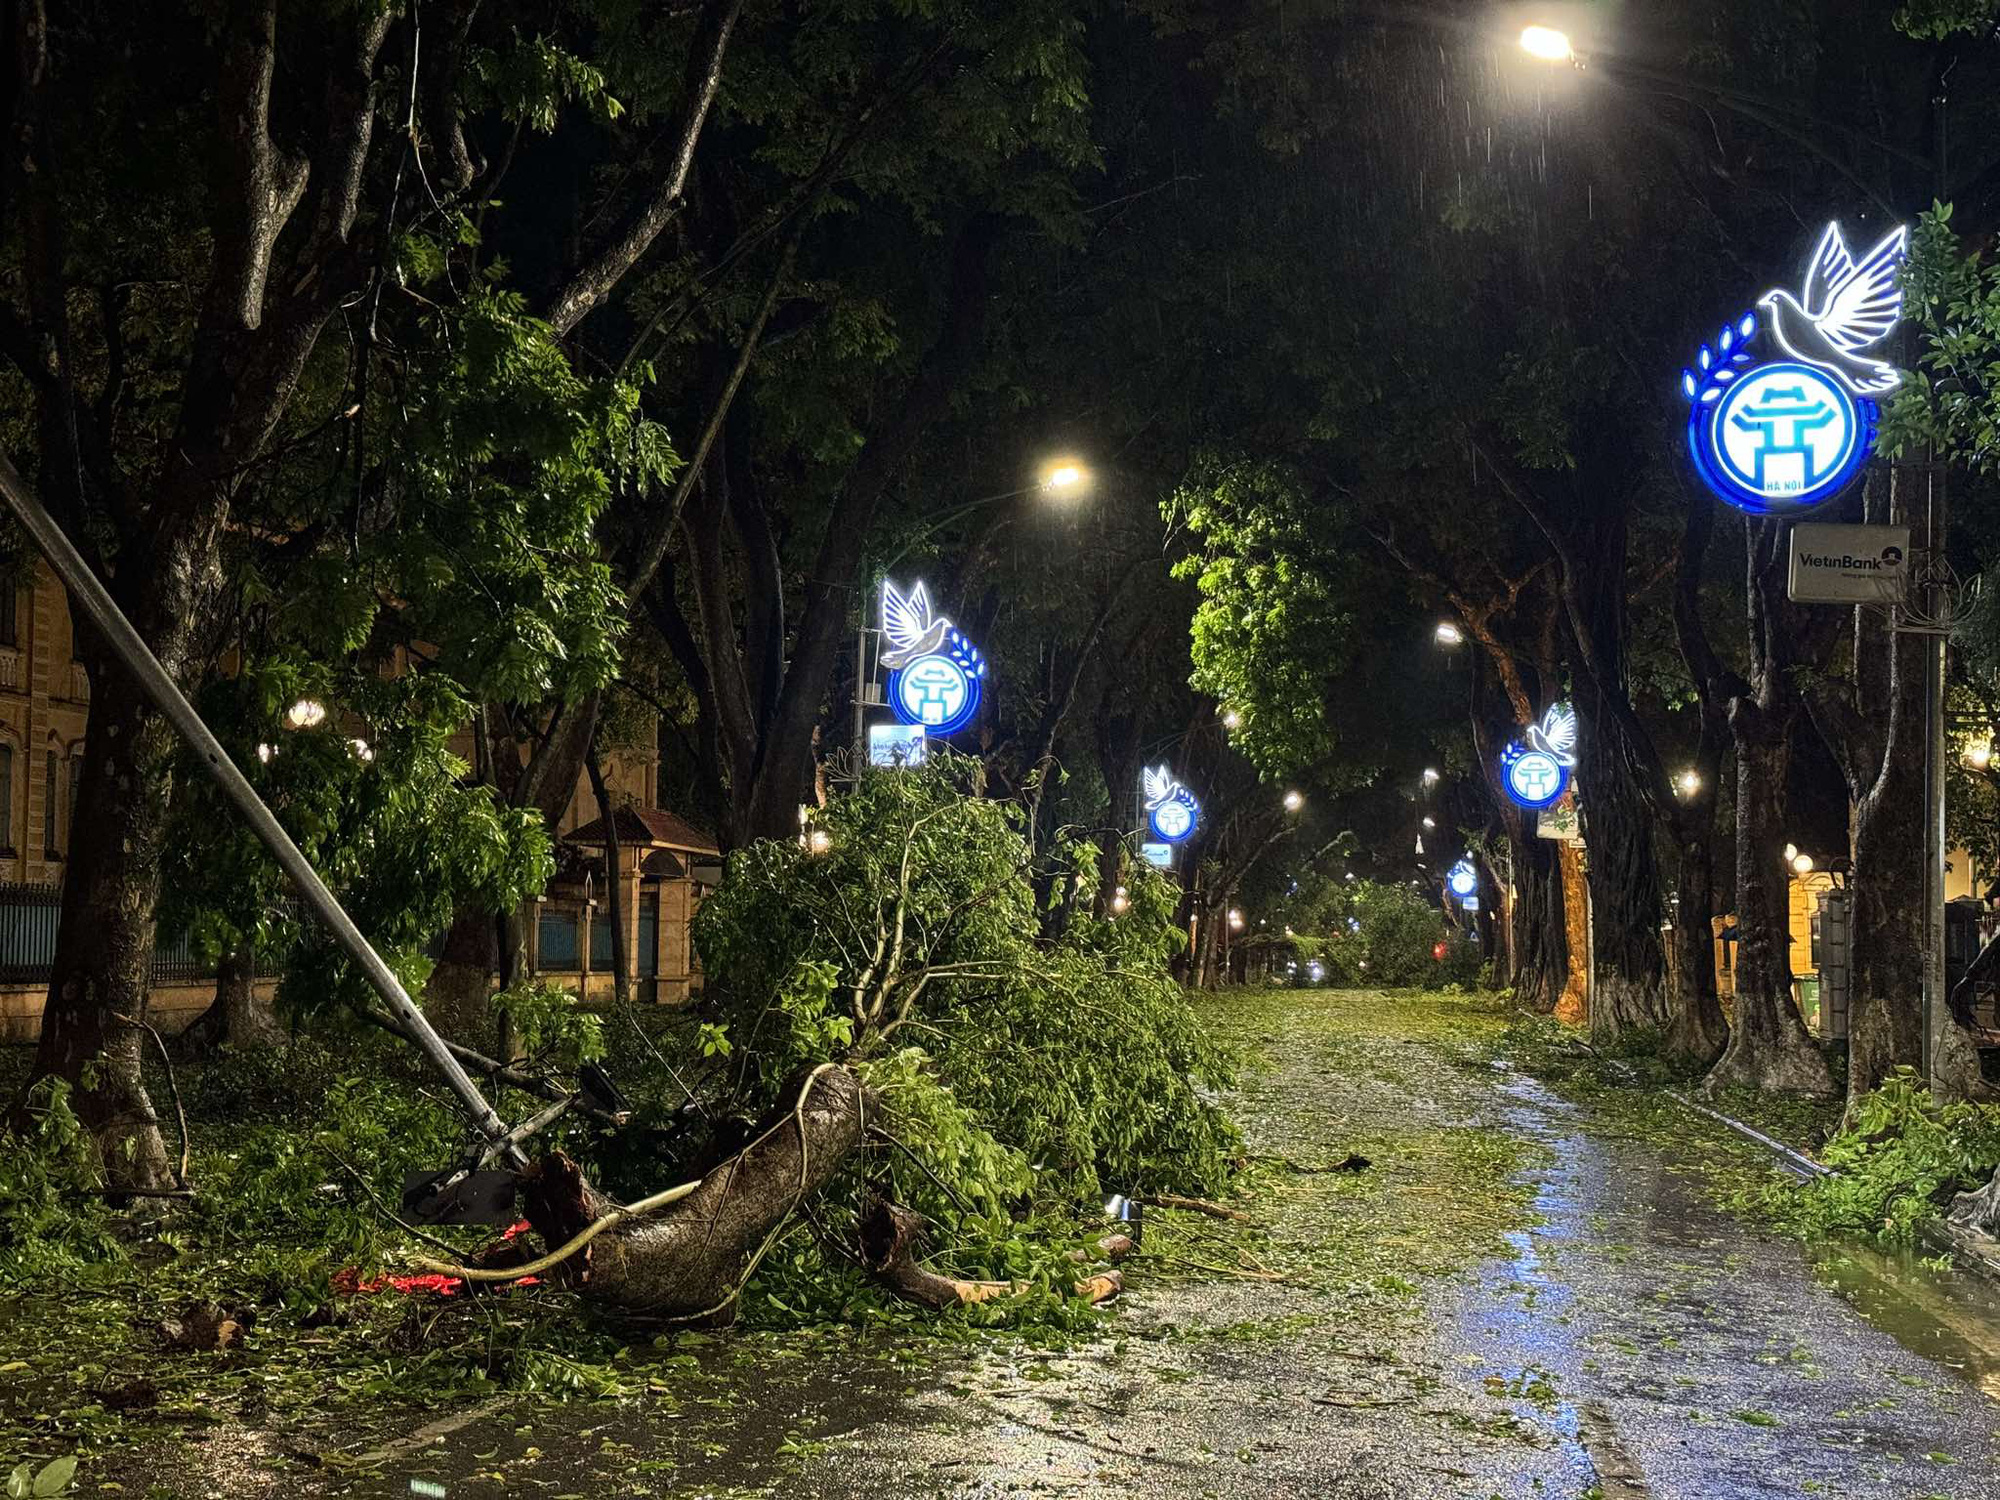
<point>55,1478</point>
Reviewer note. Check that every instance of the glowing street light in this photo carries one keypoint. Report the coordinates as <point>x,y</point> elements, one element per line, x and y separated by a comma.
<point>1235,921</point>
<point>1978,754</point>
<point>1791,852</point>
<point>307,713</point>
<point>1448,634</point>
<point>1064,477</point>
<point>1688,783</point>
<point>1802,864</point>
<point>1231,719</point>
<point>1431,777</point>
<point>1294,800</point>
<point>1430,822</point>
<point>1547,44</point>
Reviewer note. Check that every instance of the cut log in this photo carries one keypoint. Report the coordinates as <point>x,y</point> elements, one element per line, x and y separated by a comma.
<point>893,1236</point>
<point>688,1261</point>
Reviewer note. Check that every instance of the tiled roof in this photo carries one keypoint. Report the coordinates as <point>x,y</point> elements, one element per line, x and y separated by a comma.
<point>652,827</point>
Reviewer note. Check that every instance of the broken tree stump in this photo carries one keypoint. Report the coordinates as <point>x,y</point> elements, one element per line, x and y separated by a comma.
<point>892,1236</point>
<point>687,1262</point>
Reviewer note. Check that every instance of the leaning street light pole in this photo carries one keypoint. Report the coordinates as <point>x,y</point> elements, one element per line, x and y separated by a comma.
<point>167,697</point>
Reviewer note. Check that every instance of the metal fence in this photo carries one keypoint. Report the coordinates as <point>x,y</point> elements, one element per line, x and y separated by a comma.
<point>30,914</point>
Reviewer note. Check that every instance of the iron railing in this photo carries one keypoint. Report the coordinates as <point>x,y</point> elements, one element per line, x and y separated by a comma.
<point>30,913</point>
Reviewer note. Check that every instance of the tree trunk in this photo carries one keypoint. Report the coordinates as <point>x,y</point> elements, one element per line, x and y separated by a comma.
<point>614,881</point>
<point>236,1019</point>
<point>104,946</point>
<point>1696,1030</point>
<point>687,1262</point>
<point>1541,939</point>
<point>1885,1025</point>
<point>1629,982</point>
<point>1769,1046</point>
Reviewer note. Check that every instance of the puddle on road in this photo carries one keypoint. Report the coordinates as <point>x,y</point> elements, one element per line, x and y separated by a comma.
<point>1949,1317</point>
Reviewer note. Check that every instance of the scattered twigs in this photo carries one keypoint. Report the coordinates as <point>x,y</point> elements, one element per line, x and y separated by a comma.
<point>1196,1206</point>
<point>499,1072</point>
<point>174,1089</point>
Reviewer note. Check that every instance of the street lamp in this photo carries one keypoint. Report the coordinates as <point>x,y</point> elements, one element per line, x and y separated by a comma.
<point>1802,864</point>
<point>1448,634</point>
<point>1231,719</point>
<point>1978,754</point>
<point>1430,777</point>
<point>1235,921</point>
<point>1688,783</point>
<point>1294,801</point>
<point>1547,43</point>
<point>1065,476</point>
<point>1430,822</point>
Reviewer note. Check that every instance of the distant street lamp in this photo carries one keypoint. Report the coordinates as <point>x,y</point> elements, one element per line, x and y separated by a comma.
<point>1430,822</point>
<point>1978,754</point>
<point>1235,921</point>
<point>1065,475</point>
<point>1294,801</point>
<point>307,713</point>
<point>1430,777</point>
<point>1688,783</point>
<point>1231,719</point>
<point>1448,634</point>
<point>1802,864</point>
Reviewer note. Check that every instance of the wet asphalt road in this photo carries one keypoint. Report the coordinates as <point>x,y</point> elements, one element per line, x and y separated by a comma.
<point>1637,1342</point>
<point>1633,1340</point>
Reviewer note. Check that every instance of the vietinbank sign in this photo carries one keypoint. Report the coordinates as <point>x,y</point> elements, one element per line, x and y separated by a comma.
<point>1782,406</point>
<point>1849,564</point>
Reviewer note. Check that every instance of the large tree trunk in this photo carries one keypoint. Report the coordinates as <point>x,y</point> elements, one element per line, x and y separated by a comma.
<point>1769,1046</point>
<point>1874,725</point>
<point>1629,982</point>
<point>687,1262</point>
<point>1541,940</point>
<point>1696,1030</point>
<point>104,946</point>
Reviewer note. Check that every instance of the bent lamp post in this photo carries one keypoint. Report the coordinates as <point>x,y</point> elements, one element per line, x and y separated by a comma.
<point>934,671</point>
<point>1171,810</point>
<point>498,1141</point>
<point>1535,768</point>
<point>1786,428</point>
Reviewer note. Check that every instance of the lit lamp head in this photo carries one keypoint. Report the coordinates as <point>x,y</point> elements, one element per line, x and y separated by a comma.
<point>1448,634</point>
<point>1064,477</point>
<point>1547,44</point>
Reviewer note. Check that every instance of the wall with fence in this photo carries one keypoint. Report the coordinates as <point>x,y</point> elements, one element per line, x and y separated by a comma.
<point>183,973</point>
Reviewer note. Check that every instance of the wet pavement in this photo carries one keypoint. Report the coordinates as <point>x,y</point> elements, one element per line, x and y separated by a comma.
<point>1582,1323</point>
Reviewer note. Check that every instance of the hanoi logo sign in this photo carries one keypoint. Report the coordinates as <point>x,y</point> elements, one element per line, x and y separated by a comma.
<point>1171,811</point>
<point>1535,768</point>
<point>1463,881</point>
<point>935,671</point>
<point>1779,436</point>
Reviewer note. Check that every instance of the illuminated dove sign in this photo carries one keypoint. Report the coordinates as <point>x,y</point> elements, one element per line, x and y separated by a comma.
<point>1171,810</point>
<point>1535,768</point>
<point>935,672</point>
<point>1780,434</point>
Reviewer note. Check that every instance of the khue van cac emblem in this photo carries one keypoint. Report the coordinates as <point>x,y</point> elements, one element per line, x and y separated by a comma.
<point>1778,435</point>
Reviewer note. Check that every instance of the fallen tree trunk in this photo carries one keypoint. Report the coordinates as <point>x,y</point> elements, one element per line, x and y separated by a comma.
<point>688,1262</point>
<point>891,1238</point>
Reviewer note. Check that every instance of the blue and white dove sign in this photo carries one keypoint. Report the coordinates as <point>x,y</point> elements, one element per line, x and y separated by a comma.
<point>1782,429</point>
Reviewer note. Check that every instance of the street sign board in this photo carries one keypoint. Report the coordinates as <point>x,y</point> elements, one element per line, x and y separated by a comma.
<point>1849,564</point>
<point>896,745</point>
<point>1560,822</point>
<point>1159,856</point>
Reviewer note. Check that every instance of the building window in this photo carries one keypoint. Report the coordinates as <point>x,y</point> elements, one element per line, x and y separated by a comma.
<point>10,603</point>
<point>75,786</point>
<point>49,846</point>
<point>6,799</point>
